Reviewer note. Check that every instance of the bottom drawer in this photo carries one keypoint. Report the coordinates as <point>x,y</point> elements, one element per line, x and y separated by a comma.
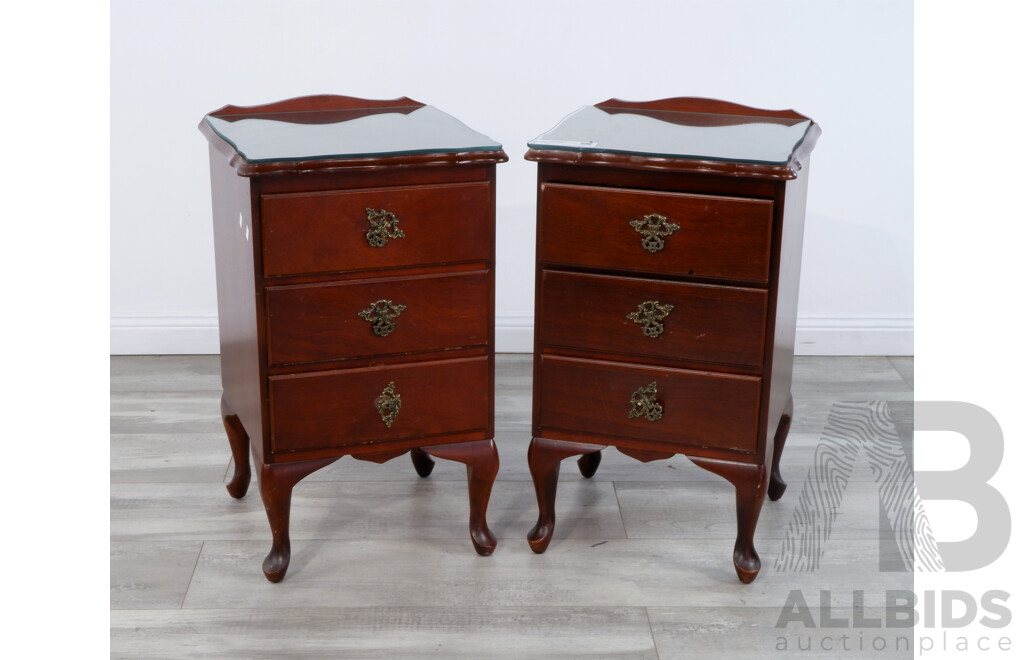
<point>344,408</point>
<point>685,409</point>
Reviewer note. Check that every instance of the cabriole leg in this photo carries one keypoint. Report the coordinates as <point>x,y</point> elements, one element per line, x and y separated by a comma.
<point>545,456</point>
<point>239,441</point>
<point>422,462</point>
<point>776,486</point>
<point>276,483</point>
<point>588,463</point>
<point>751,482</point>
<point>481,459</point>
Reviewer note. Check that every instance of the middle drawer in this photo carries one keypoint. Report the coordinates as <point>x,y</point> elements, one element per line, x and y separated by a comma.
<point>338,320</point>
<point>673,320</point>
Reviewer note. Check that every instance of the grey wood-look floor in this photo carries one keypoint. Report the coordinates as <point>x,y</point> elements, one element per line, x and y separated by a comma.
<point>382,566</point>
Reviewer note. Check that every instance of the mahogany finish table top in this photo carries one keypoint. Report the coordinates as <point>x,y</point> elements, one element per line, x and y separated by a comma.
<point>319,134</point>
<point>684,134</point>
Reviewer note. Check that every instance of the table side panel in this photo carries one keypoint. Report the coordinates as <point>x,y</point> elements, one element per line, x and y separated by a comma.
<point>238,296</point>
<point>783,336</point>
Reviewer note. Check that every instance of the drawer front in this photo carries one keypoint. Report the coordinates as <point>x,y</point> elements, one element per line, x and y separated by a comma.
<point>357,230</point>
<point>701,235</point>
<point>333,321</point>
<point>337,409</point>
<point>699,322</point>
<point>698,409</point>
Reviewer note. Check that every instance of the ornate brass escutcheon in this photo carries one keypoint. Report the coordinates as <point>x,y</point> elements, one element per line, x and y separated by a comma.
<point>388,404</point>
<point>382,315</point>
<point>383,225</point>
<point>649,314</point>
<point>654,228</point>
<point>642,403</point>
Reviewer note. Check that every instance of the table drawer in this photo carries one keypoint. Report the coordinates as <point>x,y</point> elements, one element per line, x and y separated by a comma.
<point>698,409</point>
<point>335,231</point>
<point>701,235</point>
<point>672,320</point>
<point>335,409</point>
<point>332,321</point>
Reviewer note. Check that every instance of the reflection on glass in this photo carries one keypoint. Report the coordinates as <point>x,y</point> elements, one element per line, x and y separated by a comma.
<point>672,134</point>
<point>275,137</point>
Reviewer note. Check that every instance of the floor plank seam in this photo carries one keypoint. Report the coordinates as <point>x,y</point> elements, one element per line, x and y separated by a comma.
<point>192,577</point>
<point>905,379</point>
<point>650,627</point>
<point>618,505</point>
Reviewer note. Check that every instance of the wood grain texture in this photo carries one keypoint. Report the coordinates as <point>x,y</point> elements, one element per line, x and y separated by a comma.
<point>690,509</point>
<point>701,409</point>
<point>905,366</point>
<point>327,108</point>
<point>316,103</point>
<point>777,485</point>
<point>239,441</point>
<point>699,105</point>
<point>740,633</point>
<point>481,459</point>
<point>386,633</point>
<point>374,164</point>
<point>711,324</point>
<point>306,378</point>
<point>326,231</point>
<point>337,409</point>
<point>714,113</point>
<point>157,458</point>
<point>316,322</point>
<point>545,458</point>
<point>718,237</point>
<point>239,299</point>
<point>820,381</point>
<point>186,413</point>
<point>718,390</point>
<point>787,250</point>
<point>751,484</point>
<point>572,573</point>
<point>151,575</point>
<point>276,482</point>
<point>420,590</point>
<point>400,507</point>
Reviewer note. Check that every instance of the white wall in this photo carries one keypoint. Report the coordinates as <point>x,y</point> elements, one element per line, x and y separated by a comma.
<point>512,70</point>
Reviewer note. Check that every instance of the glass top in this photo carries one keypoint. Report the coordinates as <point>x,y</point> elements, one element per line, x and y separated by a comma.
<point>333,134</point>
<point>672,134</point>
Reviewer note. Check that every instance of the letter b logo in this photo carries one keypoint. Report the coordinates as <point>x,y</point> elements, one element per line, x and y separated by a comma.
<point>969,483</point>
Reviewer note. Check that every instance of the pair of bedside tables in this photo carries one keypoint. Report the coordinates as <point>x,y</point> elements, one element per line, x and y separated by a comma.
<point>355,285</point>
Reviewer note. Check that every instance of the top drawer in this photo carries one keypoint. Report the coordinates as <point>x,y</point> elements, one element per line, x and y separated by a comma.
<point>362,229</point>
<point>656,232</point>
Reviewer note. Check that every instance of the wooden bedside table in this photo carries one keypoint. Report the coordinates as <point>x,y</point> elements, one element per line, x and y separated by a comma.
<point>355,291</point>
<point>668,261</point>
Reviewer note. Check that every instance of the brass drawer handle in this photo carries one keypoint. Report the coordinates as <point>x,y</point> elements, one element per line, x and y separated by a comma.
<point>654,228</point>
<point>388,404</point>
<point>649,314</point>
<point>383,225</point>
<point>382,315</point>
<point>642,403</point>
